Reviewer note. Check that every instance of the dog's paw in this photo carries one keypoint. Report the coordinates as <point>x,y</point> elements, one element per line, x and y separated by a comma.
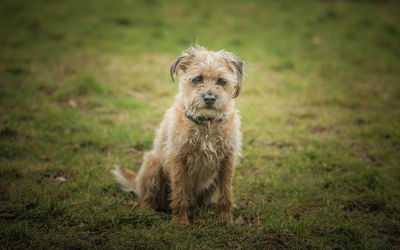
<point>226,216</point>
<point>182,220</point>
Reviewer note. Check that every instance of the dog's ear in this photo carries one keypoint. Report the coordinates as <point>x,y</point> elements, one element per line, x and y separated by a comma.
<point>238,65</point>
<point>180,63</point>
<point>183,62</point>
<point>173,70</point>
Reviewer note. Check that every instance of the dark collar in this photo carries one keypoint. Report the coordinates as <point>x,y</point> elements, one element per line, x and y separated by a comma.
<point>202,120</point>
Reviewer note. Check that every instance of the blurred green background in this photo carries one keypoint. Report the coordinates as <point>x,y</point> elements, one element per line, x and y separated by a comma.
<point>84,85</point>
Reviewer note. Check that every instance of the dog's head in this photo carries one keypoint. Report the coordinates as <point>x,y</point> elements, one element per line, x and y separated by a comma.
<point>210,80</point>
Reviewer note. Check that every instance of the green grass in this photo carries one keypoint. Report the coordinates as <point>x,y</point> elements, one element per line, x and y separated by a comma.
<point>84,85</point>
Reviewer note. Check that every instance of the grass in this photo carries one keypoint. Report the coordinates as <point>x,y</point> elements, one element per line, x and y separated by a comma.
<point>84,85</point>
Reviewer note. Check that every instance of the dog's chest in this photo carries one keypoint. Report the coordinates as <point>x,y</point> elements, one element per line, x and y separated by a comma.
<point>203,155</point>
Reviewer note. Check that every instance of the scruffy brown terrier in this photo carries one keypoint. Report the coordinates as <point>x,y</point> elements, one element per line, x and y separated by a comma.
<point>198,143</point>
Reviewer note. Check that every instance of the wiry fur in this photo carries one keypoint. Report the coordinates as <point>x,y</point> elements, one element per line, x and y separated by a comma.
<point>125,177</point>
<point>192,164</point>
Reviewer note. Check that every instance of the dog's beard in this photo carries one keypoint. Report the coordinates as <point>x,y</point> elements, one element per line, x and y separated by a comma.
<point>209,113</point>
<point>203,112</point>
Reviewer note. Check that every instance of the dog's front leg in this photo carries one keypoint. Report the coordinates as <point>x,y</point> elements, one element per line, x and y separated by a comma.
<point>179,203</point>
<point>225,203</point>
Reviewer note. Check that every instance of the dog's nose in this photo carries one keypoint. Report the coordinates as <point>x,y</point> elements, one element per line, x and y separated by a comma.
<point>209,99</point>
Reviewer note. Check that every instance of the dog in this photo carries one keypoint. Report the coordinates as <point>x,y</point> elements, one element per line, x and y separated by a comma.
<point>198,143</point>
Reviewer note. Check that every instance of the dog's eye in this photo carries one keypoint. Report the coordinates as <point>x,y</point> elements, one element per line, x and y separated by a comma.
<point>221,82</point>
<point>198,80</point>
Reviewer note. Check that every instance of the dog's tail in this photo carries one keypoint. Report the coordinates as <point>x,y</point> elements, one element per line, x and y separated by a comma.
<point>125,177</point>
